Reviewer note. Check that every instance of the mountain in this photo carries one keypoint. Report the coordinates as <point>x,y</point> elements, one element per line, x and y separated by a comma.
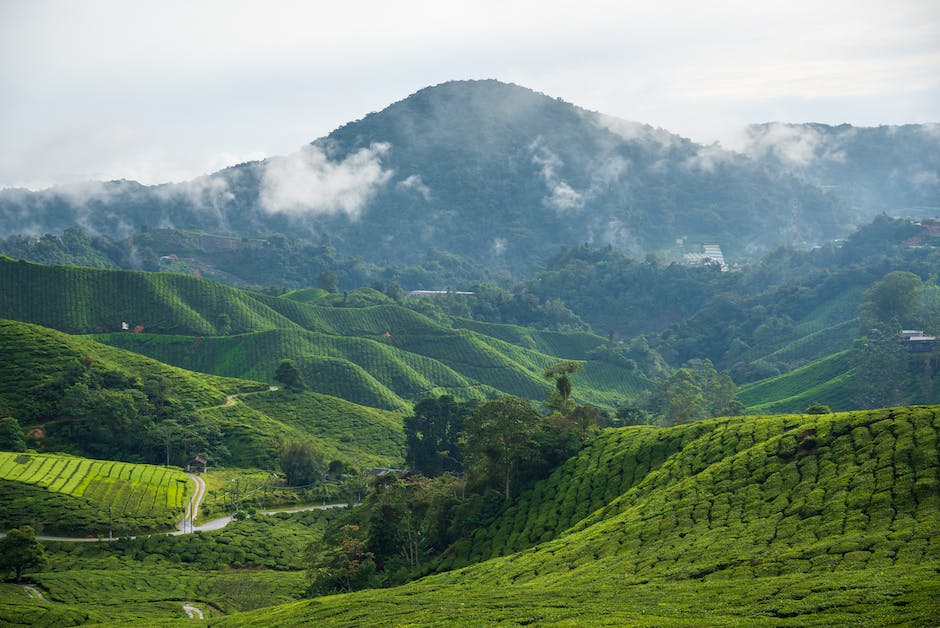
<point>885,169</point>
<point>490,171</point>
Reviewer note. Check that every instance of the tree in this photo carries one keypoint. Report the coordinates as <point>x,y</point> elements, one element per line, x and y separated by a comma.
<point>817,408</point>
<point>498,436</point>
<point>346,566</point>
<point>694,392</point>
<point>631,414</point>
<point>882,369</point>
<point>19,551</point>
<point>560,397</point>
<point>432,435</point>
<point>11,435</point>
<point>301,464</point>
<point>327,280</point>
<point>288,374</point>
<point>893,301</point>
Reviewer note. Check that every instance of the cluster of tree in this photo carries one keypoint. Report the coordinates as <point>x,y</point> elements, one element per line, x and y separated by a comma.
<point>103,412</point>
<point>886,372</point>
<point>466,461</point>
<point>695,391</point>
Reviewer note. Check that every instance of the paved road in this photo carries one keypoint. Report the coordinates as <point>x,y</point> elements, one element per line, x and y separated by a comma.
<point>192,508</point>
<point>186,525</point>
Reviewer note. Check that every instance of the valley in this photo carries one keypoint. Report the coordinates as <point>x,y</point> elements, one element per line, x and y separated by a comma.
<point>499,384</point>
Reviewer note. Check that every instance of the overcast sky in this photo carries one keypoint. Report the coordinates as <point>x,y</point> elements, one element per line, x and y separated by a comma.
<point>165,91</point>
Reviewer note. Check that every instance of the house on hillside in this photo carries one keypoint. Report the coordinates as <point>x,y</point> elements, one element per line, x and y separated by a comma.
<point>199,464</point>
<point>915,340</point>
<point>711,254</point>
<point>436,293</point>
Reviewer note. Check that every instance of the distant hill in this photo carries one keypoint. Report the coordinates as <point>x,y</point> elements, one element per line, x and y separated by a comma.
<point>487,170</point>
<point>776,520</point>
<point>383,355</point>
<point>885,169</point>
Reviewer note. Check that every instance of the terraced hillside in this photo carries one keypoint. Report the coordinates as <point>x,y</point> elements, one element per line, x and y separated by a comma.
<point>42,369</point>
<point>71,495</point>
<point>829,380</point>
<point>778,520</point>
<point>384,356</point>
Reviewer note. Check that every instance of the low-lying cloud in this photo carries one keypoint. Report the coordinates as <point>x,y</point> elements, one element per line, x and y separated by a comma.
<point>415,184</point>
<point>308,182</point>
<point>561,196</point>
<point>794,145</point>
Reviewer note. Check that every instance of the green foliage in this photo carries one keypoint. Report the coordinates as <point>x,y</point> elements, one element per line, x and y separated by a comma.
<point>497,437</point>
<point>19,551</point>
<point>11,435</point>
<point>288,375</point>
<point>346,567</point>
<point>560,375</point>
<point>328,281</point>
<point>432,435</point>
<point>693,393</point>
<point>302,464</point>
<point>893,301</point>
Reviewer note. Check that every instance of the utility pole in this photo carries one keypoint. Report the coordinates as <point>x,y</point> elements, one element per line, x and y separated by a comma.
<point>110,523</point>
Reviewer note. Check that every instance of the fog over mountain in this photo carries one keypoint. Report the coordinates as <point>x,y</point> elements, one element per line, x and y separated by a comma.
<point>503,175</point>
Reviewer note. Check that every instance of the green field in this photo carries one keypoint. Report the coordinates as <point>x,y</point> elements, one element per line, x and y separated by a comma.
<point>134,496</point>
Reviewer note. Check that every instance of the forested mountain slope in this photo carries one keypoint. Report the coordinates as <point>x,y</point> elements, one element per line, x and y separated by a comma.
<point>777,520</point>
<point>491,171</point>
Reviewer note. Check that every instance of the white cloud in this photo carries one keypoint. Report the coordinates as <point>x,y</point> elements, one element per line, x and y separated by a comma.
<point>561,196</point>
<point>415,184</point>
<point>697,69</point>
<point>309,183</point>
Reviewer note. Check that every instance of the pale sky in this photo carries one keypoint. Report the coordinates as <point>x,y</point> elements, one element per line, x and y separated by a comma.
<point>166,91</point>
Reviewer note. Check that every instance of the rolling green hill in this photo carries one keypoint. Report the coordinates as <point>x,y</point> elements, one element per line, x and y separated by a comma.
<point>777,520</point>
<point>829,381</point>
<point>43,369</point>
<point>384,356</point>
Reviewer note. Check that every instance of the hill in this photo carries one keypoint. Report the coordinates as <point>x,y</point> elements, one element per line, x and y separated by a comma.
<point>885,169</point>
<point>381,355</point>
<point>490,171</point>
<point>73,394</point>
<point>778,520</point>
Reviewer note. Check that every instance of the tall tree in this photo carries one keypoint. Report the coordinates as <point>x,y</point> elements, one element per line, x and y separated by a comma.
<point>560,374</point>
<point>288,374</point>
<point>498,436</point>
<point>19,551</point>
<point>302,464</point>
<point>11,435</point>
<point>432,435</point>
<point>892,302</point>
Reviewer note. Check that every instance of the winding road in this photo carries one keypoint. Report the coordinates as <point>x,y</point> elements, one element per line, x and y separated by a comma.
<point>187,523</point>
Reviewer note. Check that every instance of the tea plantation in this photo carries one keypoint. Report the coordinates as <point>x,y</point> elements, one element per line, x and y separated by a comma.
<point>70,495</point>
<point>779,520</point>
